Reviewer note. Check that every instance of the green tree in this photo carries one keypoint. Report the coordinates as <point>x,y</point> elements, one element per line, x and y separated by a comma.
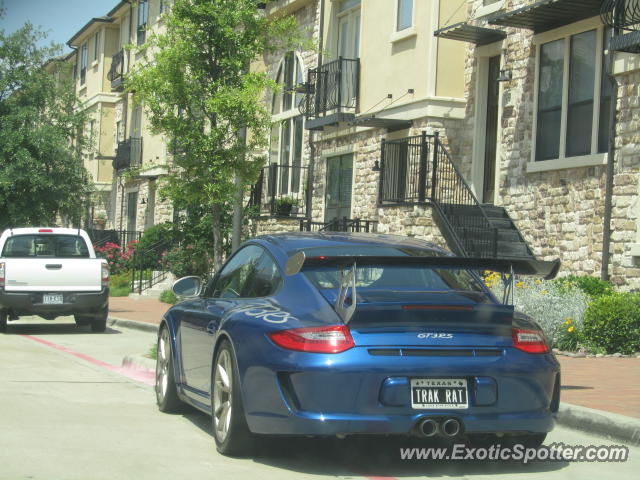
<point>41,169</point>
<point>198,91</point>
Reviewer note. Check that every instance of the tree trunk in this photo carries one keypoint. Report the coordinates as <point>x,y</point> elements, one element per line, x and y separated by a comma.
<point>217,237</point>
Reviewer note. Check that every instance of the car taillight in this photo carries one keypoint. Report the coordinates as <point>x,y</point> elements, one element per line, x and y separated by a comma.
<point>530,341</point>
<point>105,275</point>
<point>333,339</point>
<point>1,274</point>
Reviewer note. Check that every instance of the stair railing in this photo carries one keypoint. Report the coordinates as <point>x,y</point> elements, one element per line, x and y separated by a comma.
<point>450,194</point>
<point>149,266</point>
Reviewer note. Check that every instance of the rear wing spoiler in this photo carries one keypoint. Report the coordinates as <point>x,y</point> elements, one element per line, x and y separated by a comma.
<point>546,269</point>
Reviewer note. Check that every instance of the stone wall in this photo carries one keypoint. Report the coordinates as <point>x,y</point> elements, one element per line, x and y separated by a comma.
<point>560,212</point>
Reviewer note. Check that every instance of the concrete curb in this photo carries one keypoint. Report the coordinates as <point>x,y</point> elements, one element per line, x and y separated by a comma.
<point>139,362</point>
<point>618,427</point>
<point>123,322</point>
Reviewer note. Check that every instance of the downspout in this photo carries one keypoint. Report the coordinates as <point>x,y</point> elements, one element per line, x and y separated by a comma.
<point>608,198</point>
<point>312,145</point>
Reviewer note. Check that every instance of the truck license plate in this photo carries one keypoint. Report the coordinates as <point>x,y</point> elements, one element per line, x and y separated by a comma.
<point>52,298</point>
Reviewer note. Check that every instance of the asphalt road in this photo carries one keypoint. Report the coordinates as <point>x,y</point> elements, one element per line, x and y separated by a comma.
<point>68,411</point>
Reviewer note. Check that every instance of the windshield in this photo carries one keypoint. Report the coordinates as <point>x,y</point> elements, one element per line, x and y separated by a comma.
<point>60,246</point>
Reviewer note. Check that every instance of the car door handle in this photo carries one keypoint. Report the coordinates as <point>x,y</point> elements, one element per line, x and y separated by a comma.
<point>211,328</point>
<point>53,266</point>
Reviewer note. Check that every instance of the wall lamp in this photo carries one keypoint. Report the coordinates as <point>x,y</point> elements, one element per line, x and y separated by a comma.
<point>505,76</point>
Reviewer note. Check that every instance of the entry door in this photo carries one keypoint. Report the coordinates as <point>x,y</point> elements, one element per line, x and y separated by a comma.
<point>338,195</point>
<point>132,208</point>
<point>491,136</point>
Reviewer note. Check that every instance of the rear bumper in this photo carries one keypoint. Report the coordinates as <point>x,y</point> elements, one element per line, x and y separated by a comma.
<point>355,393</point>
<point>74,303</point>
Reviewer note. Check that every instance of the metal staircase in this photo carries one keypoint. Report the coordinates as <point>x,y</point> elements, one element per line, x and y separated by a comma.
<point>470,228</point>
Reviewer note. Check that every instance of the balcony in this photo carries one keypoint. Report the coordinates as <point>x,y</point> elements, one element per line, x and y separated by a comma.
<point>279,191</point>
<point>624,18</point>
<point>116,72</point>
<point>331,93</point>
<point>128,154</point>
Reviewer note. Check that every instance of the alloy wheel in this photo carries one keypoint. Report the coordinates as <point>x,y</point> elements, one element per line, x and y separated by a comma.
<point>222,395</point>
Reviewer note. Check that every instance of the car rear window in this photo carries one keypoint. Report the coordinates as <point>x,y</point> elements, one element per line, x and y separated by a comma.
<point>62,246</point>
<point>389,277</point>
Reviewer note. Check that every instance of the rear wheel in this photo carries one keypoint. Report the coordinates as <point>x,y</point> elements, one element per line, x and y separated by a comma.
<point>82,321</point>
<point>230,428</point>
<point>99,324</point>
<point>3,322</point>
<point>166,393</point>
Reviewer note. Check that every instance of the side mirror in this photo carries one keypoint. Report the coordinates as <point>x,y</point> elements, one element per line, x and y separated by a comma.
<point>187,287</point>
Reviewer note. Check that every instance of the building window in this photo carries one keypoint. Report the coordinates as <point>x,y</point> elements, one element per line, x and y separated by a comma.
<point>84,59</point>
<point>96,46</point>
<point>348,19</point>
<point>574,97</point>
<point>285,146</point>
<point>404,14</point>
<point>143,14</point>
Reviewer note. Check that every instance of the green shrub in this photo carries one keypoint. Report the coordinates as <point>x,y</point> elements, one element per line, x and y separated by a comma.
<point>612,323</point>
<point>190,259</point>
<point>161,237</point>
<point>120,285</point>
<point>592,286</point>
<point>167,296</point>
<point>558,309</point>
<point>153,352</point>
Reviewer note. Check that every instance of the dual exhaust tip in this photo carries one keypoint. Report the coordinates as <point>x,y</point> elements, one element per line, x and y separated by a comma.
<point>449,427</point>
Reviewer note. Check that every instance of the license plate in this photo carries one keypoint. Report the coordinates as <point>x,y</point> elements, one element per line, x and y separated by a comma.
<point>439,393</point>
<point>52,298</point>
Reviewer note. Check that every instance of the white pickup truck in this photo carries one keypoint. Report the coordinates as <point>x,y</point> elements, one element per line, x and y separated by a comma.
<point>52,272</point>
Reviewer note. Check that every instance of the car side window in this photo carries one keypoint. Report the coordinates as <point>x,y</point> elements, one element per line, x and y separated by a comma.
<point>263,280</point>
<point>250,273</point>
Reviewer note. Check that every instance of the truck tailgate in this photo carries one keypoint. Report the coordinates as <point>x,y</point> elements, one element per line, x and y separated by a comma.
<point>53,274</point>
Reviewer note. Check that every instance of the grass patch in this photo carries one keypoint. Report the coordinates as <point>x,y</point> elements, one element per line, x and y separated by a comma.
<point>120,285</point>
<point>153,352</point>
<point>167,296</point>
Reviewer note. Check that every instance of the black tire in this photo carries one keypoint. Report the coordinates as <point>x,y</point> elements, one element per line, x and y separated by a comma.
<point>82,321</point>
<point>230,430</point>
<point>99,323</point>
<point>166,392</point>
<point>3,322</point>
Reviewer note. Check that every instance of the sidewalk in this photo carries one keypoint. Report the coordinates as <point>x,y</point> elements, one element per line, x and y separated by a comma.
<point>610,385</point>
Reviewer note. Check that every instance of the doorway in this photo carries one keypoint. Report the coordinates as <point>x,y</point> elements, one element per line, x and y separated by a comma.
<point>338,194</point>
<point>491,130</point>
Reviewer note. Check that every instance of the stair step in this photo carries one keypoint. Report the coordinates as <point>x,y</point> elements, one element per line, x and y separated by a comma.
<point>502,223</point>
<point>504,234</point>
<point>493,211</point>
<point>505,249</point>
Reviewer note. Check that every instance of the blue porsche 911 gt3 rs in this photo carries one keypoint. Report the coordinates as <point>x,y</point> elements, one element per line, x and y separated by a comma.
<point>337,334</point>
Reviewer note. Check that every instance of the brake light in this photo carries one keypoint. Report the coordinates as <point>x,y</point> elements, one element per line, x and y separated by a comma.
<point>333,339</point>
<point>45,230</point>
<point>105,275</point>
<point>1,274</point>
<point>530,341</point>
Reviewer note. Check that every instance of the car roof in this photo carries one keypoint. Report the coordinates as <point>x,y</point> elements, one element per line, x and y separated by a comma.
<point>295,241</point>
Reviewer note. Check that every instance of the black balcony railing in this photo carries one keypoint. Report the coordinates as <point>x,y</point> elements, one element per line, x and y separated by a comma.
<point>339,225</point>
<point>624,17</point>
<point>116,72</point>
<point>280,191</point>
<point>128,154</point>
<point>332,90</point>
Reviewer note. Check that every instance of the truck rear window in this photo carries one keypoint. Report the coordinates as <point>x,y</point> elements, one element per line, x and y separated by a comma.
<point>60,246</point>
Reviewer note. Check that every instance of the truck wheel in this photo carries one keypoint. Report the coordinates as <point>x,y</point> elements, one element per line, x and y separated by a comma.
<point>82,321</point>
<point>99,324</point>
<point>3,322</point>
